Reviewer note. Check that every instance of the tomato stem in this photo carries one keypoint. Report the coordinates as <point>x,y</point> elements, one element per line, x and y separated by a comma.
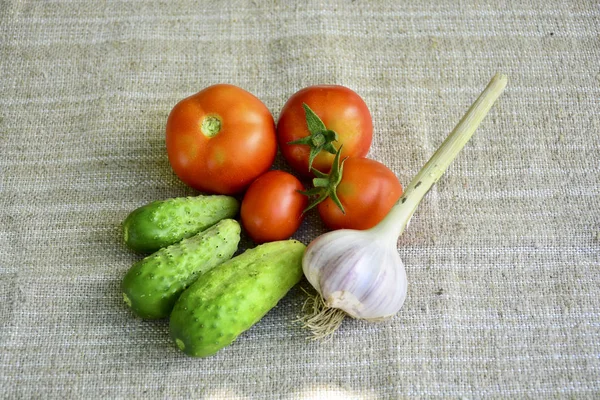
<point>398,218</point>
<point>319,139</point>
<point>211,125</point>
<point>325,185</point>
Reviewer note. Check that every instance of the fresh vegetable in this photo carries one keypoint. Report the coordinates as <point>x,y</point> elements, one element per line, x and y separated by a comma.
<point>357,193</point>
<point>272,207</point>
<point>162,223</point>
<point>152,285</point>
<point>231,298</point>
<point>316,121</point>
<point>220,139</point>
<point>359,272</point>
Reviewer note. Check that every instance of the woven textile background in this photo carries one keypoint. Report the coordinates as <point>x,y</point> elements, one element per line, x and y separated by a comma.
<point>503,255</point>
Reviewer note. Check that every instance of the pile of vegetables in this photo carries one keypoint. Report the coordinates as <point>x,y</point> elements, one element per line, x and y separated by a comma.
<point>222,142</point>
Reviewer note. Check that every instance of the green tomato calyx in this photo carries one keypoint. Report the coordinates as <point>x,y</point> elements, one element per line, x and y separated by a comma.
<point>319,139</point>
<point>325,185</point>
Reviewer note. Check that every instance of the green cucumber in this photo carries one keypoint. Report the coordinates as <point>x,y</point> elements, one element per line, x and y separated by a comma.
<point>152,286</point>
<point>231,298</point>
<point>162,223</point>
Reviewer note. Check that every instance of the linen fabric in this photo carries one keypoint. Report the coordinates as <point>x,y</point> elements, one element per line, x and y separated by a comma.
<point>502,255</point>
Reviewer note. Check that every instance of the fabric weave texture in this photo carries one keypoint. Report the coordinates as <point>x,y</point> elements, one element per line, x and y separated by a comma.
<point>503,255</point>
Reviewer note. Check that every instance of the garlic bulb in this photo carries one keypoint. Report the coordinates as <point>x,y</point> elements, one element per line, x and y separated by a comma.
<point>359,273</point>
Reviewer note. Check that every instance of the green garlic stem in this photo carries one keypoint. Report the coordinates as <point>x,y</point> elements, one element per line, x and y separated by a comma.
<point>398,218</point>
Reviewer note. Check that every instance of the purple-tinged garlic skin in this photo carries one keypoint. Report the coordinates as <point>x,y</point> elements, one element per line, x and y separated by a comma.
<point>359,272</point>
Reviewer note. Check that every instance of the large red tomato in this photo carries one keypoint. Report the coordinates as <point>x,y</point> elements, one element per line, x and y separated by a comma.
<point>272,207</point>
<point>368,190</point>
<point>340,110</point>
<point>220,139</point>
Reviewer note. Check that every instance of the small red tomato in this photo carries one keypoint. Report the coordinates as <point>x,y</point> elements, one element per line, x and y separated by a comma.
<point>341,117</point>
<point>220,139</point>
<point>272,207</point>
<point>368,190</point>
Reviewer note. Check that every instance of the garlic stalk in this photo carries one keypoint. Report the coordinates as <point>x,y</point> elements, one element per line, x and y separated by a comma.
<point>360,273</point>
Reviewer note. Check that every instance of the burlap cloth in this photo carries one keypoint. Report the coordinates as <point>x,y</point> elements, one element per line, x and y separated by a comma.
<point>502,255</point>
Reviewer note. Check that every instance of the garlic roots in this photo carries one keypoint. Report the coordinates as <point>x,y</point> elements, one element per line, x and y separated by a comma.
<point>360,273</point>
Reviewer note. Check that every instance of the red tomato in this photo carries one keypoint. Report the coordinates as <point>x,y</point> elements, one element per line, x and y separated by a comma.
<point>272,207</point>
<point>340,109</point>
<point>220,139</point>
<point>368,191</point>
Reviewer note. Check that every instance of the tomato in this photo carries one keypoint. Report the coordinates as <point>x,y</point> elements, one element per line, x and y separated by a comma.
<point>340,109</point>
<point>220,139</point>
<point>367,190</point>
<point>272,207</point>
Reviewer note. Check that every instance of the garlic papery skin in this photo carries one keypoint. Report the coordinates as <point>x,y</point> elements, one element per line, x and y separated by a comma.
<point>358,272</point>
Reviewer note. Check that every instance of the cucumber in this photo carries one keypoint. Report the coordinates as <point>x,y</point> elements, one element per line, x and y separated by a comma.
<point>152,285</point>
<point>162,223</point>
<point>231,298</point>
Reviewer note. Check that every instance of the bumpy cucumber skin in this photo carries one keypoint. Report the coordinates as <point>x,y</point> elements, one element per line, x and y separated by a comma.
<point>152,286</point>
<point>229,299</point>
<point>162,223</point>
